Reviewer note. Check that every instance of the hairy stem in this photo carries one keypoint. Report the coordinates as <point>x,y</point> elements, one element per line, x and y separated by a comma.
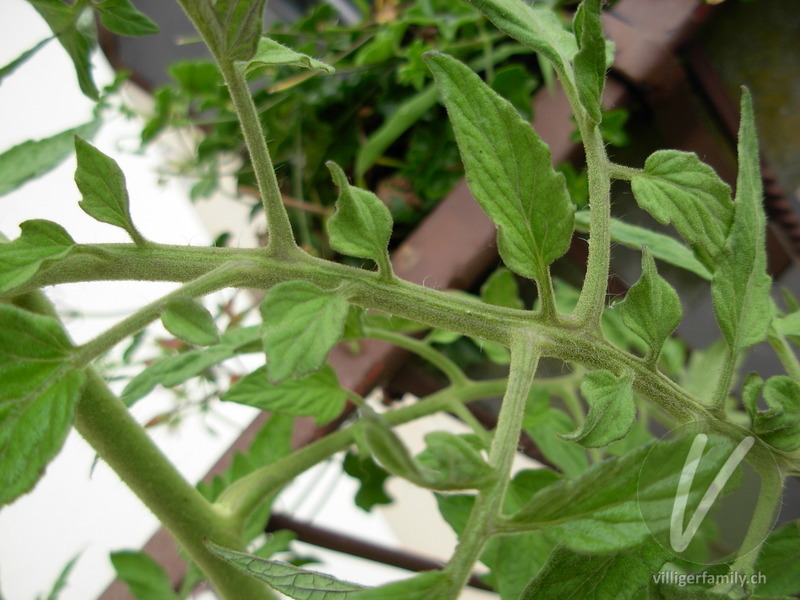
<point>592,300</point>
<point>105,423</point>
<point>489,503</point>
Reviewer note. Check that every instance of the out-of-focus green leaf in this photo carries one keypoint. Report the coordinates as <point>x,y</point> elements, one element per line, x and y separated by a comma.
<point>189,321</point>
<point>372,478</point>
<point>590,61</point>
<point>9,68</point>
<point>34,158</point>
<point>121,17</point>
<point>145,578</point>
<point>73,25</point>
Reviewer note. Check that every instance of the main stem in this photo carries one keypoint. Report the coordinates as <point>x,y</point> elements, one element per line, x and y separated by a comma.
<point>489,503</point>
<point>105,423</point>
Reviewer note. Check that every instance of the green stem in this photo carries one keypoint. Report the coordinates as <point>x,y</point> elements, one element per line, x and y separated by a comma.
<point>433,356</point>
<point>489,503</point>
<point>105,423</point>
<point>785,354</point>
<point>769,501</point>
<point>724,382</point>
<point>622,172</point>
<point>225,275</point>
<point>246,494</point>
<point>592,300</point>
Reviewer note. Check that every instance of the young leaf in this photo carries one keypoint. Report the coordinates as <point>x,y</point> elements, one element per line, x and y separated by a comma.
<point>74,27</point>
<point>675,187</point>
<point>301,325</point>
<point>361,225</point>
<point>102,184</point>
<point>601,510</point>
<point>611,409</point>
<point>121,17</point>
<point>501,289</point>
<point>508,170</point>
<point>34,158</point>
<point>590,61</point>
<point>663,247</point>
<point>389,449</point>
<point>453,462</point>
<point>239,25</point>
<point>145,578</point>
<point>40,243</point>
<point>537,26</point>
<point>173,370</point>
<point>779,425</point>
<point>297,583</point>
<point>317,395</point>
<point>272,54</point>
<point>37,399</point>
<point>430,585</point>
<point>544,425</point>
<point>651,309</point>
<point>740,287</point>
<point>620,575</point>
<point>371,477</point>
<point>189,321</point>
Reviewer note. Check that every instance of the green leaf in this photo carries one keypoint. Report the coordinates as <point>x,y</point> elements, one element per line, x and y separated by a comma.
<point>173,370</point>
<point>601,510</point>
<point>61,582</point>
<point>431,585</point>
<point>102,184</point>
<point>371,478</point>
<point>40,243</point>
<point>740,287</point>
<point>388,449</point>
<point>651,308</point>
<point>544,425</point>
<point>189,321</point>
<point>536,26</point>
<point>453,462</point>
<point>662,246</point>
<point>145,578</point>
<point>317,395</point>
<point>590,61</point>
<point>75,29</point>
<point>297,583</point>
<point>121,17</point>
<point>675,187</point>
<point>501,289</point>
<point>778,560</point>
<point>779,424</point>
<point>37,399</point>
<point>272,54</point>
<point>34,158</point>
<point>620,575</point>
<point>9,68</point>
<point>509,171</point>
<point>612,410</point>
<point>301,324</point>
<point>361,225</point>
<point>240,23</point>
